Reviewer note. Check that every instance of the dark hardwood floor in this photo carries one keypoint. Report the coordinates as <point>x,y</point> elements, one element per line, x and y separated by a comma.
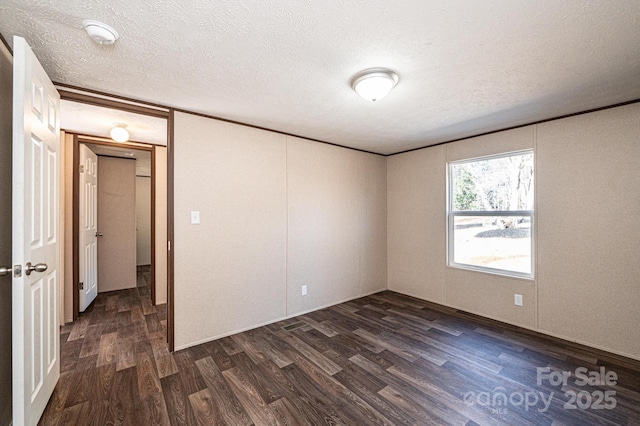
<point>383,359</point>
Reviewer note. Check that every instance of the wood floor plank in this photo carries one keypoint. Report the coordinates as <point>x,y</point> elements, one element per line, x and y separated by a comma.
<point>219,355</point>
<point>228,405</point>
<point>55,408</point>
<point>76,414</point>
<point>148,380</point>
<point>79,329</point>
<point>80,387</point>
<point>414,410</point>
<point>313,355</point>
<point>91,340</point>
<point>108,349</point>
<point>265,386</point>
<point>189,374</point>
<point>287,414</point>
<point>245,341</point>
<point>269,348</point>
<point>249,397</point>
<point>177,401</point>
<point>204,409</point>
<point>126,353</point>
<point>154,410</point>
<point>125,398</point>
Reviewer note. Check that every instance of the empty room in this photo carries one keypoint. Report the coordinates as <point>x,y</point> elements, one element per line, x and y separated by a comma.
<point>307,213</point>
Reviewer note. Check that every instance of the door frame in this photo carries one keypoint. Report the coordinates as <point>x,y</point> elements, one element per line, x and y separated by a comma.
<point>92,97</point>
<point>140,146</point>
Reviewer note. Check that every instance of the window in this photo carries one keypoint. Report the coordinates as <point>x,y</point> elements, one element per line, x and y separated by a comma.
<point>490,214</point>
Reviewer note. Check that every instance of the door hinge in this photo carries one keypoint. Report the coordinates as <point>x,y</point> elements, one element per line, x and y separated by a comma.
<point>81,168</point>
<point>81,286</point>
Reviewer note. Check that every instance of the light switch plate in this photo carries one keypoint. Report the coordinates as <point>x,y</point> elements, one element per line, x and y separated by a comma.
<point>304,290</point>
<point>195,218</point>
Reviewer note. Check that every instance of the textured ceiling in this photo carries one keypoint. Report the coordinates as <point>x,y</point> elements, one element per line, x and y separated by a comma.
<point>98,121</point>
<point>465,67</point>
<point>143,158</point>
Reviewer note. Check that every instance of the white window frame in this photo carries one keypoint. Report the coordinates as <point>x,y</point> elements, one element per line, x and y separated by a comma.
<point>452,214</point>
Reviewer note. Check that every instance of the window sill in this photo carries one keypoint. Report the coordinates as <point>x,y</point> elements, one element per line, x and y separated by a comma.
<point>506,274</point>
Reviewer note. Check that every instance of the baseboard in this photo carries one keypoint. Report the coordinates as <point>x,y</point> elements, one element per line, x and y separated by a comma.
<point>252,327</point>
<point>220,336</point>
<point>529,330</point>
<point>297,314</point>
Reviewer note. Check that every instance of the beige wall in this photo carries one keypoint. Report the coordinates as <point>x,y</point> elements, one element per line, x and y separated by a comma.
<point>6,90</point>
<point>230,269</point>
<point>117,221</point>
<point>588,195</point>
<point>587,192</point>
<point>161,224</point>
<point>416,211</point>
<point>276,212</point>
<point>143,220</point>
<point>336,233</point>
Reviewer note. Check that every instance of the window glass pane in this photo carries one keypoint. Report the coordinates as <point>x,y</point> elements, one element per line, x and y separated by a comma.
<point>503,183</point>
<point>499,242</point>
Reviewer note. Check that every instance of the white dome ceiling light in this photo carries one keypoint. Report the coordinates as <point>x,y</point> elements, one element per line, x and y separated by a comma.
<point>374,84</point>
<point>100,32</point>
<point>119,132</point>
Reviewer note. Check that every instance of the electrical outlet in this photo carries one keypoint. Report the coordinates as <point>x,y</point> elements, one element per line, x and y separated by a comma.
<point>517,299</point>
<point>304,290</point>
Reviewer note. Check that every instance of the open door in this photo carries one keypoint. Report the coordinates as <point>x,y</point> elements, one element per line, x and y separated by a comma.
<point>35,284</point>
<point>88,286</point>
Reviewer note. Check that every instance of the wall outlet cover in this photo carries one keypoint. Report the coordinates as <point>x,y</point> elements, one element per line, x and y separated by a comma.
<point>517,299</point>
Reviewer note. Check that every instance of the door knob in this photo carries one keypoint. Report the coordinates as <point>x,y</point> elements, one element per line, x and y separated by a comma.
<point>39,267</point>
<point>5,271</point>
<point>98,234</point>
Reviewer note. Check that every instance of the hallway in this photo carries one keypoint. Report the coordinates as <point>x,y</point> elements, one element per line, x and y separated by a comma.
<point>118,341</point>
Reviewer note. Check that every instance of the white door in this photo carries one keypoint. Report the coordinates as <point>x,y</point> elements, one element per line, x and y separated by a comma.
<point>88,227</point>
<point>36,139</point>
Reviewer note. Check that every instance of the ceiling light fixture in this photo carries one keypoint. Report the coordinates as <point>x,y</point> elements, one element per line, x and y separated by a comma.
<point>119,132</point>
<point>374,84</point>
<point>100,32</point>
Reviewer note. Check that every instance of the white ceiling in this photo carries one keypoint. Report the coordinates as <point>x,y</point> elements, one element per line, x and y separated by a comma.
<point>142,158</point>
<point>98,121</point>
<point>465,67</point>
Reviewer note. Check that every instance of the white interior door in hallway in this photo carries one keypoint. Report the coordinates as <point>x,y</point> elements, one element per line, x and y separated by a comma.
<point>35,235</point>
<point>88,287</point>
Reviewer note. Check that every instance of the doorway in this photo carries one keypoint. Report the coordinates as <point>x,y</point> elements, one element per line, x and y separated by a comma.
<point>116,207</point>
<point>91,113</point>
<point>131,200</point>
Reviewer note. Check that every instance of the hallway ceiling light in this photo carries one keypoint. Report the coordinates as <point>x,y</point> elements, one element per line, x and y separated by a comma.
<point>374,84</point>
<point>100,32</point>
<point>119,132</point>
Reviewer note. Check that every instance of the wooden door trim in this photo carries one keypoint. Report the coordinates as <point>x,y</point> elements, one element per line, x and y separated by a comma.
<point>170,230</point>
<point>170,116</point>
<point>153,225</point>
<point>92,97</point>
<point>84,139</point>
<point>75,208</point>
<point>98,140</point>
